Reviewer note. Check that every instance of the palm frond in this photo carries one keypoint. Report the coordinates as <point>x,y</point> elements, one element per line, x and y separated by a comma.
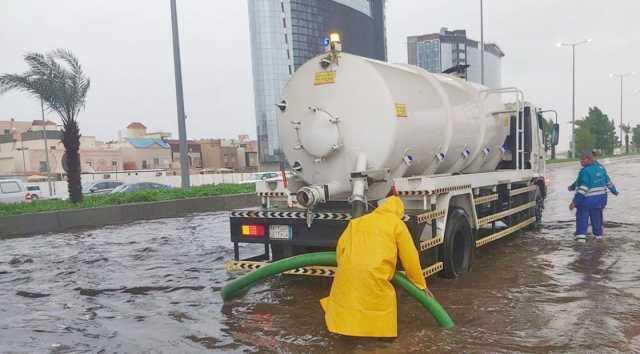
<point>18,82</point>
<point>57,78</point>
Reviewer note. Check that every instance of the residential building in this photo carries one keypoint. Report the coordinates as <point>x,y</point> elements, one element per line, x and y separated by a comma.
<point>12,128</point>
<point>287,33</point>
<point>139,130</point>
<point>194,153</point>
<point>23,153</point>
<point>136,130</point>
<point>438,52</point>
<point>145,153</point>
<point>237,155</point>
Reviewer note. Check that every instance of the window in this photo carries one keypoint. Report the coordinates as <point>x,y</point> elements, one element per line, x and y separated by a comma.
<point>43,166</point>
<point>156,162</point>
<point>90,163</point>
<point>10,187</point>
<point>145,165</point>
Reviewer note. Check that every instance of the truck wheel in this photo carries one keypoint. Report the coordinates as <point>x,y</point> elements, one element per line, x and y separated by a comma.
<point>537,210</point>
<point>459,244</point>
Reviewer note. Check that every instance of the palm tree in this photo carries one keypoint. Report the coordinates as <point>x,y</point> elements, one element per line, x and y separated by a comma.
<point>58,80</point>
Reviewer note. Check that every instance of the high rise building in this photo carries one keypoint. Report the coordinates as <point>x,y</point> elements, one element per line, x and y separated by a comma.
<point>437,52</point>
<point>287,33</point>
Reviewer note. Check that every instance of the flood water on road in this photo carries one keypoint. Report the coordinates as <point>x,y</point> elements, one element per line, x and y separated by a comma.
<point>154,286</point>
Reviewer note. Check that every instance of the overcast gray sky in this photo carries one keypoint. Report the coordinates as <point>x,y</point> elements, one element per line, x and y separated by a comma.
<point>125,47</point>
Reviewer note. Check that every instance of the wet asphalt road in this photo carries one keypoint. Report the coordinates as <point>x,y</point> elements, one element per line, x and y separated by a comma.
<point>153,287</point>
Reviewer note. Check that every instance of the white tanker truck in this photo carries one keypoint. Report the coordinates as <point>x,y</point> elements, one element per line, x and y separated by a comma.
<point>469,168</point>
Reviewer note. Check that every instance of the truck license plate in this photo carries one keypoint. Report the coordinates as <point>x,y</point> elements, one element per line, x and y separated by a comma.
<point>280,232</point>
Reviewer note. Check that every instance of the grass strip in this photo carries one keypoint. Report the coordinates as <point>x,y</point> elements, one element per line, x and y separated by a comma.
<point>47,205</point>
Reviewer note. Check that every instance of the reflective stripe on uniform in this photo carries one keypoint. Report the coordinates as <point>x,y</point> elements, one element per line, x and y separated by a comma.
<point>591,191</point>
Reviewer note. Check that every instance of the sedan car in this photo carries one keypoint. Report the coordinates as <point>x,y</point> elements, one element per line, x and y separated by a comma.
<point>100,187</point>
<point>134,187</point>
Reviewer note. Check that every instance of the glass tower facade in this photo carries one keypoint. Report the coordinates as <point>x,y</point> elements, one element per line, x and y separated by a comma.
<point>287,33</point>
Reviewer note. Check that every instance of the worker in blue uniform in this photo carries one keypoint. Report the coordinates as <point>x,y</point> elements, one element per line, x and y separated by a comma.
<point>591,196</point>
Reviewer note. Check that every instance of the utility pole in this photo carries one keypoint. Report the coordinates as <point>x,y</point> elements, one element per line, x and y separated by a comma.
<point>24,160</point>
<point>621,76</point>
<point>481,42</point>
<point>182,130</point>
<point>46,147</point>
<point>573,46</point>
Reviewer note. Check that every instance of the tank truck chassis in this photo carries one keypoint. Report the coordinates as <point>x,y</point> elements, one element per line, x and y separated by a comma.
<point>449,217</point>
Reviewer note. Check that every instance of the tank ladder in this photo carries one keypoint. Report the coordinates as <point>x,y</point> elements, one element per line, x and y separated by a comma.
<point>519,148</point>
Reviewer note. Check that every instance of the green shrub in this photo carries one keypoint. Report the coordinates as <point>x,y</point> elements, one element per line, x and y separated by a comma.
<point>48,205</point>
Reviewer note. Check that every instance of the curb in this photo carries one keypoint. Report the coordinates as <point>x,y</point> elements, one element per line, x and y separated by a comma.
<point>65,220</point>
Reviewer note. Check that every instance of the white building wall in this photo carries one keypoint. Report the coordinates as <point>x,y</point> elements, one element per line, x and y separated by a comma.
<point>493,71</point>
<point>446,56</point>
<point>492,68</point>
<point>473,59</point>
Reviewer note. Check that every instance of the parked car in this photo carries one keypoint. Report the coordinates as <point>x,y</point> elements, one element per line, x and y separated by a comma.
<point>12,191</point>
<point>99,187</point>
<point>270,176</point>
<point>134,187</point>
<point>33,192</point>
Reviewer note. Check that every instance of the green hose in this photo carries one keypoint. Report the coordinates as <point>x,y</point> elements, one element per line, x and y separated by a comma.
<point>430,303</point>
<point>329,259</point>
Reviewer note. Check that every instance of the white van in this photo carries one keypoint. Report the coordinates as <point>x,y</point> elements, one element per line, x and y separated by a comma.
<point>12,191</point>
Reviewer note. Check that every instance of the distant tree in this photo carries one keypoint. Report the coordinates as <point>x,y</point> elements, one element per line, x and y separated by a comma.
<point>636,137</point>
<point>58,79</point>
<point>626,129</point>
<point>595,131</point>
<point>585,141</point>
<point>547,128</point>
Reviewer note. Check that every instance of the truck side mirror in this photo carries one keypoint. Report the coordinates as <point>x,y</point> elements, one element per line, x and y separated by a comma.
<point>556,134</point>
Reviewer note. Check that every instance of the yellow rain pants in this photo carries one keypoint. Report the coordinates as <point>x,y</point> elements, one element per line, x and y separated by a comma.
<point>362,301</point>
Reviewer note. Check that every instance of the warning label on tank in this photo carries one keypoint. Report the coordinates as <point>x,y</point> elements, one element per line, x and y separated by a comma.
<point>324,78</point>
<point>401,110</point>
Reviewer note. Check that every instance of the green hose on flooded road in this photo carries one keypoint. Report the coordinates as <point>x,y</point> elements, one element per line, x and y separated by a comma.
<point>329,259</point>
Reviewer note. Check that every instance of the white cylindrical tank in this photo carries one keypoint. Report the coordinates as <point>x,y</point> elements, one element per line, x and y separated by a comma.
<point>388,112</point>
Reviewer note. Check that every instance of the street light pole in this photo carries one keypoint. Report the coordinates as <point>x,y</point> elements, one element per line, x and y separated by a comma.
<point>573,46</point>
<point>46,147</point>
<point>621,76</point>
<point>481,42</point>
<point>182,130</point>
<point>24,161</point>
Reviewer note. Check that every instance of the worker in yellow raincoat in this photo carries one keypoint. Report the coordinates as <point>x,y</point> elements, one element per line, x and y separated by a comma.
<point>362,301</point>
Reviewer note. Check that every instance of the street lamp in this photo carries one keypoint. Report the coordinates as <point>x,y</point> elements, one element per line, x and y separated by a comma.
<point>182,130</point>
<point>481,42</point>
<point>621,76</point>
<point>573,90</point>
<point>24,160</point>
<point>46,145</point>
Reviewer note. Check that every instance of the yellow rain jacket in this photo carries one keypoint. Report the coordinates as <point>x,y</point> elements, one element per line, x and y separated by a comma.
<point>362,301</point>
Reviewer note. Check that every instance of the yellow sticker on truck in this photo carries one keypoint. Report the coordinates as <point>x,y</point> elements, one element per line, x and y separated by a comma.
<point>324,78</point>
<point>401,110</point>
